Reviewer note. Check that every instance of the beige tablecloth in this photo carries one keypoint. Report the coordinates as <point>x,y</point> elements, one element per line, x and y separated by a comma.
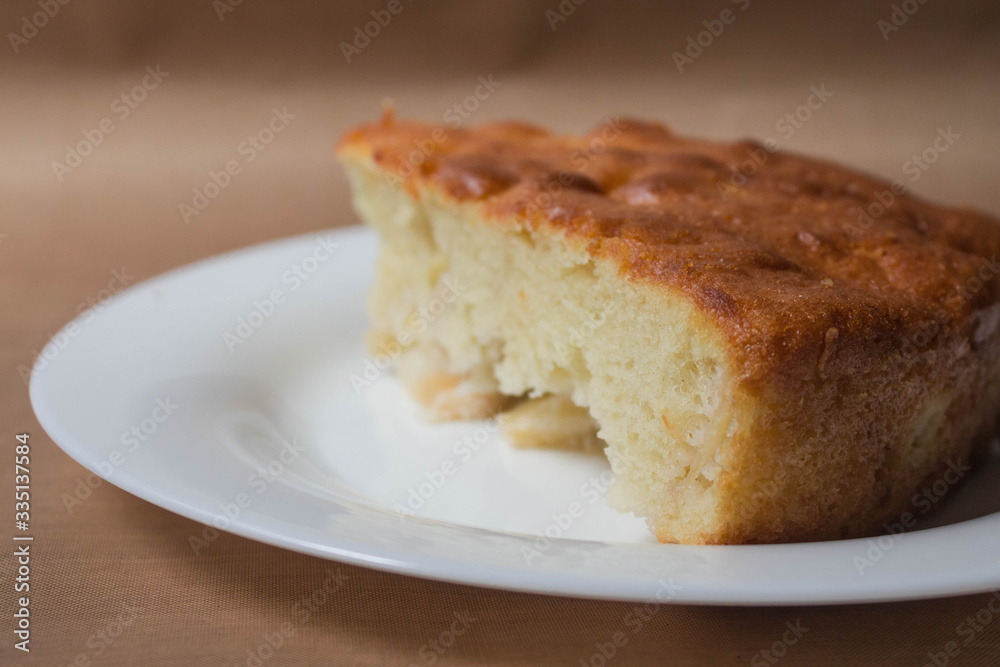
<point>165,93</point>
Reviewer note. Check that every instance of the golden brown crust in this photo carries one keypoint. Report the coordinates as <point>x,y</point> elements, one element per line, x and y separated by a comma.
<point>861,324</point>
<point>797,259</point>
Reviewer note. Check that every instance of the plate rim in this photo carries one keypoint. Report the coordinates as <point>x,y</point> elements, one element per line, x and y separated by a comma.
<point>455,570</point>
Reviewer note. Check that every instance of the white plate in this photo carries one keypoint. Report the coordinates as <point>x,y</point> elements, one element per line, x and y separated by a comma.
<point>356,453</point>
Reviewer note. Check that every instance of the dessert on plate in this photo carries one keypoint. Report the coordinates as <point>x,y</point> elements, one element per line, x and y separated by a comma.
<point>767,348</point>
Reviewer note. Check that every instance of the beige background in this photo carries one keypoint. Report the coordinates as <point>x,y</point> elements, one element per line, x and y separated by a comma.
<point>61,240</point>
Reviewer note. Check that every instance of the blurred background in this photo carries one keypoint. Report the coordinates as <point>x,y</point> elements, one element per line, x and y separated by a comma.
<point>896,73</point>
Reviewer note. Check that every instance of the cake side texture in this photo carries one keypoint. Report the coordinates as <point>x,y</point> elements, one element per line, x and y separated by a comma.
<point>769,357</point>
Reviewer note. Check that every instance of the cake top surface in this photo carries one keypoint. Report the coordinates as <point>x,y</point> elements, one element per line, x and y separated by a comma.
<point>789,252</point>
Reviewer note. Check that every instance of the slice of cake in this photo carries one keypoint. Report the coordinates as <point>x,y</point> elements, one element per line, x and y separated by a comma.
<point>773,348</point>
